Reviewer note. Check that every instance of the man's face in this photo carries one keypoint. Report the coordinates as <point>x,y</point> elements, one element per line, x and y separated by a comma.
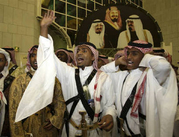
<point>114,15</point>
<point>134,57</point>
<point>62,56</point>
<point>131,25</point>
<point>33,59</point>
<point>98,28</point>
<point>3,62</point>
<point>84,56</point>
<point>100,63</point>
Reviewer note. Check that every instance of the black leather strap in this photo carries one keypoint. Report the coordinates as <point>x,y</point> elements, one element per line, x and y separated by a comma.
<point>90,76</point>
<point>76,99</point>
<point>127,106</point>
<point>8,80</point>
<point>89,110</point>
<point>29,74</point>
<point>12,69</point>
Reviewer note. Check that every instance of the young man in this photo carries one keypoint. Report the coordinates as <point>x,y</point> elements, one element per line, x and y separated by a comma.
<point>98,87</point>
<point>65,56</point>
<point>146,93</point>
<point>44,123</point>
<point>4,92</point>
<point>14,69</point>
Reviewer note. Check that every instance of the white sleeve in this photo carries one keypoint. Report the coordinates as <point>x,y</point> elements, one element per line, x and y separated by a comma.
<point>160,66</point>
<point>108,97</point>
<point>110,67</point>
<point>62,69</point>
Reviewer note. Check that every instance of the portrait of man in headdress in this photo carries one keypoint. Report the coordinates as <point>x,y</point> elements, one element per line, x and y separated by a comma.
<point>134,31</point>
<point>113,25</point>
<point>96,33</point>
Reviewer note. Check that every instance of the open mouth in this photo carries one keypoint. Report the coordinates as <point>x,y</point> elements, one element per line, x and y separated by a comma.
<point>80,59</point>
<point>35,63</point>
<point>130,63</point>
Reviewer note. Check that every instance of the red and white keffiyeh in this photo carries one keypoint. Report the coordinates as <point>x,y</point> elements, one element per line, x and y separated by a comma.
<point>94,51</point>
<point>141,45</point>
<point>28,65</point>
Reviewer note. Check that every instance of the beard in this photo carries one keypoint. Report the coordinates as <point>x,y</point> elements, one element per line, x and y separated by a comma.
<point>130,29</point>
<point>98,32</point>
<point>114,20</point>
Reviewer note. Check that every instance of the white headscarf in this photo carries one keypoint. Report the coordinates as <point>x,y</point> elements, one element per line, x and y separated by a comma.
<point>96,39</point>
<point>137,25</point>
<point>5,72</point>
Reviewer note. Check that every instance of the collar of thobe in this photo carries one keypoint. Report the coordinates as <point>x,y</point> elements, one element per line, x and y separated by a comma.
<point>85,73</point>
<point>134,71</point>
<point>87,70</point>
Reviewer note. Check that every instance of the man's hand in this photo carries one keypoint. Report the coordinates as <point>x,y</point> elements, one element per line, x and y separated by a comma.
<point>121,61</point>
<point>47,20</point>
<point>106,123</point>
<point>48,125</point>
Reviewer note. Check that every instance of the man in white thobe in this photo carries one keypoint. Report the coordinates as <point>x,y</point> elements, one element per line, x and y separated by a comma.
<point>154,106</point>
<point>100,88</point>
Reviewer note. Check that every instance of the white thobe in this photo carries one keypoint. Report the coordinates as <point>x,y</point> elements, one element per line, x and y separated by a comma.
<point>159,100</point>
<point>66,76</point>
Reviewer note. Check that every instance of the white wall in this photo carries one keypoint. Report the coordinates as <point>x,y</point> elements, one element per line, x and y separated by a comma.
<point>18,25</point>
<point>166,13</point>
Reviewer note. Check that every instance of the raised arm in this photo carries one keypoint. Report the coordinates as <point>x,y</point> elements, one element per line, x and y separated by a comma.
<point>160,66</point>
<point>47,20</point>
<point>114,66</point>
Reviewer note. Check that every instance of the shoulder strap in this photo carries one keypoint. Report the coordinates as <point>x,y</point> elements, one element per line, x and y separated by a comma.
<point>12,69</point>
<point>128,103</point>
<point>127,106</point>
<point>29,74</point>
<point>90,76</point>
<point>8,80</point>
<point>89,110</point>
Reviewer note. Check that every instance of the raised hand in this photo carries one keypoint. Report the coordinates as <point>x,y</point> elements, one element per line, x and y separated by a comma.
<point>121,61</point>
<point>47,20</point>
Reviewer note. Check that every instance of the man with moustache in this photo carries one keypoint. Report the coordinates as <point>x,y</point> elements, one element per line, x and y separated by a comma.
<point>80,86</point>
<point>134,31</point>
<point>113,25</point>
<point>96,34</point>
<point>47,121</point>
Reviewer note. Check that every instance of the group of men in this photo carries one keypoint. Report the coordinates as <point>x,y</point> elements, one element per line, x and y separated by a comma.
<point>138,100</point>
<point>109,33</point>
